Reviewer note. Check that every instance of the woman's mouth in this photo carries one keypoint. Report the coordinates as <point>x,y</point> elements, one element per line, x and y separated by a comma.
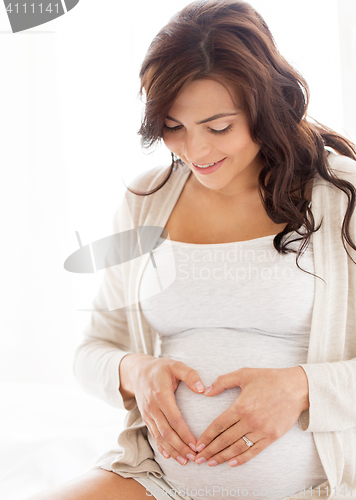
<point>210,169</point>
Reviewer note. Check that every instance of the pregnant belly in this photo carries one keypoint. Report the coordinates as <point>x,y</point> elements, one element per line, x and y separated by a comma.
<point>286,466</point>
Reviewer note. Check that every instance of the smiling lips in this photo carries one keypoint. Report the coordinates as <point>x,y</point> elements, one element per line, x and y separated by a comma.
<point>204,166</point>
<point>210,168</point>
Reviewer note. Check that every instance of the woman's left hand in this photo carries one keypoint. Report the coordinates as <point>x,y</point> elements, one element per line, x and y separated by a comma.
<point>270,403</point>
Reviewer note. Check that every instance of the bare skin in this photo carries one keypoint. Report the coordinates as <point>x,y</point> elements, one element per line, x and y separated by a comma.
<point>98,484</point>
<point>224,206</point>
<point>197,218</point>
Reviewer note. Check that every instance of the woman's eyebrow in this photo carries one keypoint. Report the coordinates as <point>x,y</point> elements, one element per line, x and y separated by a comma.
<point>215,117</point>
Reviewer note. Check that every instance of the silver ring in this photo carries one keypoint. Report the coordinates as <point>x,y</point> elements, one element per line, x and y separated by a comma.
<point>247,441</point>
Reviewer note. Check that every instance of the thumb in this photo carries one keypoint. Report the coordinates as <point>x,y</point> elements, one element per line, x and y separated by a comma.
<point>222,382</point>
<point>189,376</point>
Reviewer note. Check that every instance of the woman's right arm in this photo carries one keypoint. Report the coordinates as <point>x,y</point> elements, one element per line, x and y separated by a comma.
<point>96,360</point>
<point>106,338</point>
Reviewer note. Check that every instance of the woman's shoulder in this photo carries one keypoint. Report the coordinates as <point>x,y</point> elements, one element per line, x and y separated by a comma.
<point>135,207</point>
<point>144,180</point>
<point>153,177</point>
<point>343,166</point>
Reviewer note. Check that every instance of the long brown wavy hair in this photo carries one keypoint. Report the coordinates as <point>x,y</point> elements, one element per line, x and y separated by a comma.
<point>228,41</point>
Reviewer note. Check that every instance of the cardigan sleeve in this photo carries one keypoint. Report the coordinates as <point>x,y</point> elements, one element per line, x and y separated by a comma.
<point>332,385</point>
<point>106,341</point>
<point>332,391</point>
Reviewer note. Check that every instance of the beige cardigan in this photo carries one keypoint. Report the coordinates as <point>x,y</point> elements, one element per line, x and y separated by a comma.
<point>119,328</point>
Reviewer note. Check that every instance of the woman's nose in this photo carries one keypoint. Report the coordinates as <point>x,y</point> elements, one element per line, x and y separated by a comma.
<point>196,149</point>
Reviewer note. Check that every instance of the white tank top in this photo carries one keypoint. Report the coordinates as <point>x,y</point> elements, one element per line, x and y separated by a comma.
<point>235,305</point>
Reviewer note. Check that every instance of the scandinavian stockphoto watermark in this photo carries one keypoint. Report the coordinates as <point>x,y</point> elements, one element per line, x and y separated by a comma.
<point>238,263</point>
<point>123,253</point>
<point>29,13</point>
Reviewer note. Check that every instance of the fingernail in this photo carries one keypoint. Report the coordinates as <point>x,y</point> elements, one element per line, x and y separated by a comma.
<point>182,460</point>
<point>208,390</point>
<point>191,457</point>
<point>212,463</point>
<point>192,446</point>
<point>200,448</point>
<point>200,460</point>
<point>199,385</point>
<point>165,454</point>
<point>233,462</point>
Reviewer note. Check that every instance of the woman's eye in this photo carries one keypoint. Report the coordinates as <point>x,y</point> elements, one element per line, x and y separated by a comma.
<point>223,131</point>
<point>171,129</point>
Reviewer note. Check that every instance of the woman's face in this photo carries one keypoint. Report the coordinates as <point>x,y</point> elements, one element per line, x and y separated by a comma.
<point>205,143</point>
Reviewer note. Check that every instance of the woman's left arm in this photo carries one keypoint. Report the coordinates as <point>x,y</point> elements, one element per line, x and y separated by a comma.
<point>332,396</point>
<point>271,401</point>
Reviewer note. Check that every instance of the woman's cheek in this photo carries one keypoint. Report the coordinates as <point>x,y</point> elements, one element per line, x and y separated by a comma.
<point>170,143</point>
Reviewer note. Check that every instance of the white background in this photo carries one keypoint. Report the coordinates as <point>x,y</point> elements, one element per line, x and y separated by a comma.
<point>70,113</point>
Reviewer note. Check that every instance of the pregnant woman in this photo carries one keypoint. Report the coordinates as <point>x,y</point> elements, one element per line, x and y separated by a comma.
<point>232,341</point>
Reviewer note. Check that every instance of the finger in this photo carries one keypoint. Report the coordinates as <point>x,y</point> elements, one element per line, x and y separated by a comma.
<point>152,428</point>
<point>176,447</point>
<point>217,427</point>
<point>221,443</point>
<point>252,452</point>
<point>166,436</point>
<point>176,421</point>
<point>226,381</point>
<point>189,376</point>
<point>165,448</point>
<point>233,451</point>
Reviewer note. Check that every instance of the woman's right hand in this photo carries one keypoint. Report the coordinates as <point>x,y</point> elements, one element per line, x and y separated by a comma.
<point>153,381</point>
